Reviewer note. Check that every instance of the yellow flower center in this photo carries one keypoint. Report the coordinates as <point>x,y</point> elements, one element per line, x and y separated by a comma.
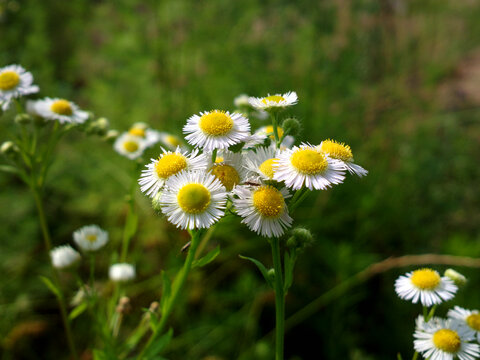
<point>309,161</point>
<point>227,175</point>
<point>130,146</point>
<point>337,150</point>
<point>273,98</point>
<point>91,237</point>
<point>473,321</point>
<point>8,80</point>
<point>170,164</point>
<point>425,279</point>
<point>62,107</point>
<point>447,340</point>
<point>137,132</point>
<point>216,123</point>
<point>269,130</point>
<point>193,198</point>
<point>267,167</point>
<point>172,140</point>
<point>219,159</point>
<point>269,202</point>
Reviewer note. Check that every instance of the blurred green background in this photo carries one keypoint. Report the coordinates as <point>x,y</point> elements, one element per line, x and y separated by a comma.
<point>398,80</point>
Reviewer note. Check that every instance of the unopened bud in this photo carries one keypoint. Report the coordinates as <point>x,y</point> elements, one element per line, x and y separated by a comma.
<point>23,119</point>
<point>156,203</point>
<point>123,306</point>
<point>456,277</point>
<point>241,101</point>
<point>9,149</point>
<point>111,135</point>
<point>271,274</point>
<point>154,306</point>
<point>300,238</point>
<point>291,126</point>
<point>99,126</point>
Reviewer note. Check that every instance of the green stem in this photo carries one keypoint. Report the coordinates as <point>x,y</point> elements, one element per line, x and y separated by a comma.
<point>415,356</point>
<point>275,130</point>
<point>301,198</point>
<point>127,231</point>
<point>214,156</point>
<point>279,299</point>
<point>92,272</point>
<point>176,289</point>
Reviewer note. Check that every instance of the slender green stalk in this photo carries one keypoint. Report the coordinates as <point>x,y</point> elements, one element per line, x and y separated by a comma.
<point>131,216</point>
<point>273,115</point>
<point>214,155</point>
<point>92,272</point>
<point>415,356</point>
<point>279,299</point>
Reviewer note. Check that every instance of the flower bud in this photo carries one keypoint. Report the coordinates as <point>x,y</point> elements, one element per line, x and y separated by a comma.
<point>99,126</point>
<point>9,148</point>
<point>271,275</point>
<point>300,238</point>
<point>23,119</point>
<point>156,203</point>
<point>123,306</point>
<point>111,135</point>
<point>456,277</point>
<point>291,126</point>
<point>241,101</point>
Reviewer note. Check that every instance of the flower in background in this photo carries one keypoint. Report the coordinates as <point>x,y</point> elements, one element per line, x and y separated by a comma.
<point>169,163</point>
<point>306,166</point>
<point>15,82</point>
<point>193,200</point>
<point>171,142</point>
<point>121,272</point>
<point>130,146</point>
<point>342,152</point>
<point>228,168</point>
<point>261,162</point>
<point>426,286</point>
<point>440,339</point>
<point>149,136</point>
<point>216,130</point>
<point>470,318</point>
<point>277,101</point>
<point>263,209</point>
<point>90,238</point>
<point>60,109</point>
<point>241,101</point>
<point>64,257</point>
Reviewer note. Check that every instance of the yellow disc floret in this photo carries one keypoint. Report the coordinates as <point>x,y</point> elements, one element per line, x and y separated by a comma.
<point>193,198</point>
<point>219,159</point>
<point>425,279</point>
<point>135,131</point>
<point>62,107</point>
<point>273,98</point>
<point>130,146</point>
<point>227,175</point>
<point>447,340</point>
<point>309,161</point>
<point>267,167</point>
<point>9,80</point>
<point>216,123</point>
<point>269,202</point>
<point>170,164</point>
<point>337,150</point>
<point>473,321</point>
<point>91,237</point>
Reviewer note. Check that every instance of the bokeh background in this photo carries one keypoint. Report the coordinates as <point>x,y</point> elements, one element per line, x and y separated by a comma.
<point>398,80</point>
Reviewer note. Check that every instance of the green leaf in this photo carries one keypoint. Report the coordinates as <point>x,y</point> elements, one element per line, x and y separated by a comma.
<point>159,344</point>
<point>399,356</point>
<point>289,261</point>
<point>207,259</point>
<point>53,288</point>
<point>9,169</point>
<point>260,267</point>
<point>76,312</point>
<point>166,290</point>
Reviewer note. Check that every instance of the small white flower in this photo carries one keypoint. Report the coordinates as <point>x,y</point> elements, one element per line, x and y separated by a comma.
<point>130,146</point>
<point>15,82</point>
<point>169,163</point>
<point>216,130</point>
<point>276,101</point>
<point>426,286</point>
<point>169,141</point>
<point>149,136</point>
<point>261,162</point>
<point>263,209</point>
<point>440,339</point>
<point>228,168</point>
<point>64,257</point>
<point>306,166</point>
<point>121,272</point>
<point>60,109</point>
<point>241,100</point>
<point>90,238</point>
<point>342,152</point>
<point>470,318</point>
<point>193,200</point>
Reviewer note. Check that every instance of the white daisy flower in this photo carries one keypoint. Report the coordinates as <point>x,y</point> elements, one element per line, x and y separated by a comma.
<point>170,141</point>
<point>121,272</point>
<point>425,285</point>
<point>261,162</point>
<point>150,136</point>
<point>228,168</point>
<point>64,257</point>
<point>169,163</point>
<point>90,238</point>
<point>60,109</point>
<point>440,339</point>
<point>193,200</point>
<point>263,209</point>
<point>307,166</point>
<point>276,101</point>
<point>470,318</point>
<point>342,152</point>
<point>15,82</point>
<point>130,146</point>
<point>216,130</point>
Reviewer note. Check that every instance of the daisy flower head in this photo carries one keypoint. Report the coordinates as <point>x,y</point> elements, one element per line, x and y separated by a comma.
<point>470,318</point>
<point>170,141</point>
<point>90,238</point>
<point>62,110</point>
<point>228,168</point>
<point>342,152</point>
<point>440,339</point>
<point>64,257</point>
<point>193,200</point>
<point>261,162</point>
<point>121,272</point>
<point>216,130</point>
<point>263,209</point>
<point>15,82</point>
<point>142,130</point>
<point>169,163</point>
<point>307,166</point>
<point>274,102</point>
<point>265,132</point>
<point>130,146</point>
<point>425,285</point>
